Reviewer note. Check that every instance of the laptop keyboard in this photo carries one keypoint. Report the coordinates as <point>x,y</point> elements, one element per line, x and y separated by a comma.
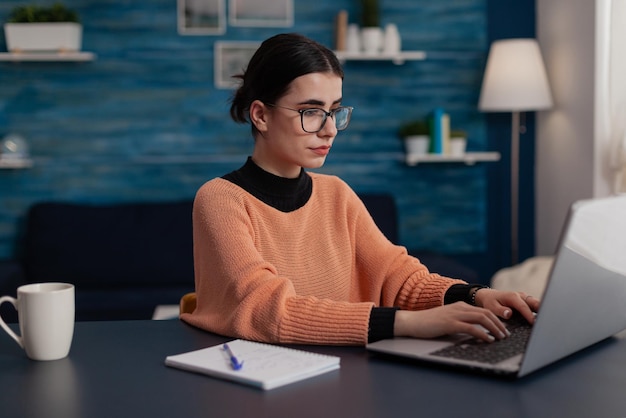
<point>495,352</point>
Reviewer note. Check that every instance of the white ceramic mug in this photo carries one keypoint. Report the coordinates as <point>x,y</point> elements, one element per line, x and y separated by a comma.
<point>46,318</point>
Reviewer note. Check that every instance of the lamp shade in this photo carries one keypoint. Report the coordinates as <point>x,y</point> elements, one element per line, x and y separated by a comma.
<point>515,78</point>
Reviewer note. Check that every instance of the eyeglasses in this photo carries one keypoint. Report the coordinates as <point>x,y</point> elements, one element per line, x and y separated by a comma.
<point>314,119</point>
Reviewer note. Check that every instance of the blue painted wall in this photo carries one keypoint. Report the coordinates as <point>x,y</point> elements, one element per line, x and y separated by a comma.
<point>145,122</point>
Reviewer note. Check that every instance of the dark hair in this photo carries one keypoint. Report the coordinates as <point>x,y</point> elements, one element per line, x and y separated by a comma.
<point>278,61</point>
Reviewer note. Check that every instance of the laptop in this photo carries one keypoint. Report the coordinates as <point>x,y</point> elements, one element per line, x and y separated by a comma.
<point>584,301</point>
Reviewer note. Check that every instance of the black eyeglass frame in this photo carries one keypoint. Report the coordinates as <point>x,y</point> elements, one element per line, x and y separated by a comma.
<point>326,115</point>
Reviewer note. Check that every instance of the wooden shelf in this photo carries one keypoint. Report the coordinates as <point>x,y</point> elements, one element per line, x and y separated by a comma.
<point>397,59</point>
<point>469,158</point>
<point>47,56</point>
<point>13,163</point>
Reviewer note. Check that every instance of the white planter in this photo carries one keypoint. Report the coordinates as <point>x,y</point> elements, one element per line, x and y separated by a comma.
<point>458,144</point>
<point>372,40</point>
<point>43,37</point>
<point>417,144</point>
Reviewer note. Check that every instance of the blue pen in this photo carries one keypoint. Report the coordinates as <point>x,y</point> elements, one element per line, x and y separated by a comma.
<point>236,364</point>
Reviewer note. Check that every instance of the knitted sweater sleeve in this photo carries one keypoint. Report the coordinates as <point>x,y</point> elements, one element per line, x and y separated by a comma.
<point>387,274</point>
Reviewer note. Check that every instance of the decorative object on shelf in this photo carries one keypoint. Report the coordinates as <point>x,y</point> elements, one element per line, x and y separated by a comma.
<point>515,81</point>
<point>261,13</point>
<point>206,17</point>
<point>458,143</point>
<point>341,30</point>
<point>416,137</point>
<point>43,29</point>
<point>353,39</point>
<point>371,32</point>
<point>392,43</point>
<point>439,131</point>
<point>371,40</point>
<point>370,14</point>
<point>14,147</point>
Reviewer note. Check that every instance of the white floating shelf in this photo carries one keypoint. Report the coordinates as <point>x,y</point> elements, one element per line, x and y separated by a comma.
<point>398,58</point>
<point>9,163</point>
<point>47,56</point>
<point>469,158</point>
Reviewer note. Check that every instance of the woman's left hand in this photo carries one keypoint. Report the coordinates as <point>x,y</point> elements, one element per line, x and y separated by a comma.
<point>501,303</point>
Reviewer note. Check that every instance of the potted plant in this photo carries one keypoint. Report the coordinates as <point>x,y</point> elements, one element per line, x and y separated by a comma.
<point>370,14</point>
<point>371,32</point>
<point>458,142</point>
<point>416,136</point>
<point>34,28</point>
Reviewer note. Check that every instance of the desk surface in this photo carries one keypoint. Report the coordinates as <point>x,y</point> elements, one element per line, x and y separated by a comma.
<point>116,369</point>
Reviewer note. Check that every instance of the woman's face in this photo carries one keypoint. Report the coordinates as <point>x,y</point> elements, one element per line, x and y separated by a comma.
<point>282,147</point>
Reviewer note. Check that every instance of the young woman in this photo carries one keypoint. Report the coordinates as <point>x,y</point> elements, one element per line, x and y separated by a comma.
<point>284,255</point>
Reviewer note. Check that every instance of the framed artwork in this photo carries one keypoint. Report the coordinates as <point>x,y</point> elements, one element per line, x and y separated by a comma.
<point>231,58</point>
<point>201,17</point>
<point>267,13</point>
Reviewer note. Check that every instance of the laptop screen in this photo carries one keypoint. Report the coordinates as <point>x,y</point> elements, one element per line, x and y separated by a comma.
<point>600,233</point>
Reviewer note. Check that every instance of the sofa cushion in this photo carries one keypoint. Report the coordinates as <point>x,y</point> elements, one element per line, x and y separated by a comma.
<point>95,246</point>
<point>382,207</point>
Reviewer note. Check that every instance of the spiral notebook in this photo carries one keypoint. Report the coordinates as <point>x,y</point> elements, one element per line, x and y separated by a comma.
<point>264,366</point>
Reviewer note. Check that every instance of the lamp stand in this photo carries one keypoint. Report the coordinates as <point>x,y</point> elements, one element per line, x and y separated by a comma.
<point>515,123</point>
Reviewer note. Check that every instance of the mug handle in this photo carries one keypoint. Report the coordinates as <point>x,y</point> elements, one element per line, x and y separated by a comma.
<point>4,326</point>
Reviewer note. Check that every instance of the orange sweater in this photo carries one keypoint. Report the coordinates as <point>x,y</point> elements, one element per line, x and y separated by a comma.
<point>307,276</point>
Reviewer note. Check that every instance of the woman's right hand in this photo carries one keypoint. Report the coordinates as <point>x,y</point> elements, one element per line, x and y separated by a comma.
<point>458,317</point>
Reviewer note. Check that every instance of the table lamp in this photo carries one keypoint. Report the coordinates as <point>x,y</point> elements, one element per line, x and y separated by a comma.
<point>515,81</point>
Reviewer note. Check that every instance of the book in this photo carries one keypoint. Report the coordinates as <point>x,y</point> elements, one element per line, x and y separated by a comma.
<point>440,131</point>
<point>264,366</point>
<point>445,134</point>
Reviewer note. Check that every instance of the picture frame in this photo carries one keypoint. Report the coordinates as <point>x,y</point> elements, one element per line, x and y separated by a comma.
<point>201,17</point>
<point>261,13</point>
<point>231,58</point>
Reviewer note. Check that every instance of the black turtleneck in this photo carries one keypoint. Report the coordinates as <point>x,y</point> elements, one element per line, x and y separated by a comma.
<point>280,193</point>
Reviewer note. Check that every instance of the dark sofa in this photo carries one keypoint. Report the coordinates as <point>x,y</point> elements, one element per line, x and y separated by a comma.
<point>125,259</point>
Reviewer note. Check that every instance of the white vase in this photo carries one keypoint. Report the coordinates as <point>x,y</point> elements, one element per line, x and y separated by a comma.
<point>353,39</point>
<point>371,40</point>
<point>43,37</point>
<point>392,39</point>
